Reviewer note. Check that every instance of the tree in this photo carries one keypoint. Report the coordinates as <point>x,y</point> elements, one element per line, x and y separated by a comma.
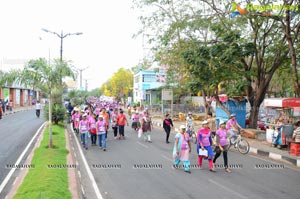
<point>119,85</point>
<point>47,78</point>
<point>8,77</point>
<point>291,28</point>
<point>251,46</point>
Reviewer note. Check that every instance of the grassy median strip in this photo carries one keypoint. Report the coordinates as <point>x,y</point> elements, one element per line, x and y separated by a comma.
<point>46,179</point>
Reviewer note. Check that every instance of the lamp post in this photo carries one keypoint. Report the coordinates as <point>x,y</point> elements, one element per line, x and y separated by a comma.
<point>61,36</point>
<point>80,74</point>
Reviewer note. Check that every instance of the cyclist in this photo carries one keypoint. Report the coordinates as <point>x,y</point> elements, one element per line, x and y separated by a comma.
<point>190,124</point>
<point>233,127</point>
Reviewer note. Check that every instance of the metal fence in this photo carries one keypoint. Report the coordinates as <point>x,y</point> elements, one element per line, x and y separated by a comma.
<point>177,108</point>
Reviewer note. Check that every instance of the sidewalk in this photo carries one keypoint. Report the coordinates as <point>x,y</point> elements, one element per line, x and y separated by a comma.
<point>19,109</point>
<point>258,147</point>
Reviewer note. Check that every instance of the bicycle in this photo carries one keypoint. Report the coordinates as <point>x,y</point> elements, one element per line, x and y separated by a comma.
<point>241,144</point>
<point>192,134</point>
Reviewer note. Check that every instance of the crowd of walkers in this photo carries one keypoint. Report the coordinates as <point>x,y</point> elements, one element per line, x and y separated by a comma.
<point>94,120</point>
<point>98,117</point>
<point>210,141</point>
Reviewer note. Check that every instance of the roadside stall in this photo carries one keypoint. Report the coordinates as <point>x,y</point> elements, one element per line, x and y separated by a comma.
<point>284,112</point>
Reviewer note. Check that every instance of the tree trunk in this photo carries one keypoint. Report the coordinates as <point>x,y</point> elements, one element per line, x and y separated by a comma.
<point>50,121</point>
<point>206,106</point>
<point>253,116</point>
<point>292,53</point>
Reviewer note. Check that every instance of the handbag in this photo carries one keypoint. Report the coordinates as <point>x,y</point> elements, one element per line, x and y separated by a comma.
<point>203,152</point>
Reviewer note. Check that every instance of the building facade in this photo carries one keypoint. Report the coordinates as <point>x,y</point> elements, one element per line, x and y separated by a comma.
<point>19,96</point>
<point>146,84</point>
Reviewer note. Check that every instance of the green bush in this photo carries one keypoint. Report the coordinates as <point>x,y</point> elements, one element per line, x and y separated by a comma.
<point>58,113</point>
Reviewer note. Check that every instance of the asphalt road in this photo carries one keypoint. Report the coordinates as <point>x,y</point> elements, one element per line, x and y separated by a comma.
<point>122,172</point>
<point>16,131</point>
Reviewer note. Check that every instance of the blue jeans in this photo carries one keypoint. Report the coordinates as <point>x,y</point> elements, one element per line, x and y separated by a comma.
<point>84,139</point>
<point>102,140</point>
<point>93,138</point>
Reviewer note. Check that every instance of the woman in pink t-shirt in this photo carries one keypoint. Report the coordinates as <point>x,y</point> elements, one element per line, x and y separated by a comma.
<point>76,120</point>
<point>204,142</point>
<point>84,129</point>
<point>222,145</point>
<point>101,131</point>
<point>233,128</point>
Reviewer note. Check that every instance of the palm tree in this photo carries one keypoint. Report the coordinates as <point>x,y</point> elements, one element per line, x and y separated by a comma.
<point>46,77</point>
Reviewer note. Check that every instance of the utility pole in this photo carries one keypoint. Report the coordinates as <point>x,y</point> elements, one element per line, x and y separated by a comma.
<point>80,74</point>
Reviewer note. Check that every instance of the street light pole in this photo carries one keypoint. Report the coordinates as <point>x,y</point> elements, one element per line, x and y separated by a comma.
<point>61,46</point>
<point>80,74</point>
<point>61,36</point>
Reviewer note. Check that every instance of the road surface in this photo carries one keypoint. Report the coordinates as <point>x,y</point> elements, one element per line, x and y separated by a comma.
<point>16,131</point>
<point>134,169</point>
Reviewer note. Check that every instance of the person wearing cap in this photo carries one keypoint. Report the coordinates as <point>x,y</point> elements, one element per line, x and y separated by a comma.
<point>182,149</point>
<point>190,124</point>
<point>204,142</point>
<point>101,132</point>
<point>167,125</point>
<point>136,120</point>
<point>146,125</point>
<point>232,127</point>
<point>222,145</point>
<point>84,128</point>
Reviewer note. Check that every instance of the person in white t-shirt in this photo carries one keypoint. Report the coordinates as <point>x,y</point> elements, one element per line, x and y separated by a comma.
<point>38,108</point>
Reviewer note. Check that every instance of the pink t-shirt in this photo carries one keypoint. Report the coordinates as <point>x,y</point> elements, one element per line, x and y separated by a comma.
<point>203,136</point>
<point>136,117</point>
<point>84,126</point>
<point>230,123</point>
<point>101,127</point>
<point>221,133</point>
<point>184,143</point>
<point>92,125</point>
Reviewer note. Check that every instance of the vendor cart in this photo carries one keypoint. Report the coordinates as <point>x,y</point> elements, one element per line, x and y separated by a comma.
<point>286,109</point>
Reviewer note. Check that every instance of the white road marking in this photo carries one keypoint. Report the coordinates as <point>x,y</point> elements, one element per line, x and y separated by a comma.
<point>5,181</point>
<point>142,145</point>
<point>227,189</point>
<point>90,174</point>
<point>83,192</point>
<point>79,174</point>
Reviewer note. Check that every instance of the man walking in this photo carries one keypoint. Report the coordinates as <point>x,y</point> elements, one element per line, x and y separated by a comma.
<point>38,108</point>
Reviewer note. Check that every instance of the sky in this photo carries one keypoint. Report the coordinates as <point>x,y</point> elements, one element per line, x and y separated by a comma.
<point>105,45</point>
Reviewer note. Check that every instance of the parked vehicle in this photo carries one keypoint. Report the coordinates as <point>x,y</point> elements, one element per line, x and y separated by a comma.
<point>261,121</point>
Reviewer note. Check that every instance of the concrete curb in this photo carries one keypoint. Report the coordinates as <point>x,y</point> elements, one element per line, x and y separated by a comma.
<point>275,156</point>
<point>16,111</point>
<point>295,161</point>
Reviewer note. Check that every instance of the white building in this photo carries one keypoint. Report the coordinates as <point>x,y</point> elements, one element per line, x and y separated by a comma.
<point>146,84</point>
